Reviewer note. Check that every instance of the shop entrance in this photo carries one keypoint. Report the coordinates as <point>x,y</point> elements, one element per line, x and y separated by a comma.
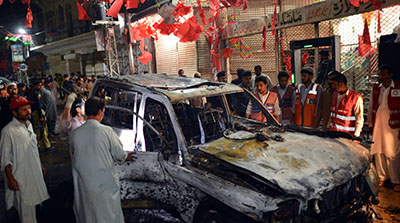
<point>322,54</point>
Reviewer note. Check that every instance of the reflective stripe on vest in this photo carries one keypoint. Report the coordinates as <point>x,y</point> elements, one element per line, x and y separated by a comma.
<point>305,113</point>
<point>285,103</point>
<point>342,116</point>
<point>256,113</point>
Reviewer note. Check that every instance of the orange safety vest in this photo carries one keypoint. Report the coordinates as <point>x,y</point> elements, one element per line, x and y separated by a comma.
<point>342,116</point>
<point>393,104</point>
<point>305,114</point>
<point>256,113</point>
<point>285,103</point>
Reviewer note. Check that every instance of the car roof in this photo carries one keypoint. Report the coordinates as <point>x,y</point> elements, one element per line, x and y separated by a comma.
<point>180,88</point>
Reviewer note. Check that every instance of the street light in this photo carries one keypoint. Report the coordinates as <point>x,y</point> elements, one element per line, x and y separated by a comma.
<point>22,31</point>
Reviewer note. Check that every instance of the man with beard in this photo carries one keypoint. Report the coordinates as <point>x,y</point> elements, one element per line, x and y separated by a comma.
<point>384,122</point>
<point>307,99</point>
<point>347,108</point>
<point>286,97</point>
<point>324,107</point>
<point>24,184</point>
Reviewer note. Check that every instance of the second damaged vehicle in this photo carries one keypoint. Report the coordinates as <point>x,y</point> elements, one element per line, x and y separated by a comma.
<point>199,158</point>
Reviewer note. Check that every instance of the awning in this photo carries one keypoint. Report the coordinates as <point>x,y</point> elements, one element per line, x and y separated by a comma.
<point>83,44</point>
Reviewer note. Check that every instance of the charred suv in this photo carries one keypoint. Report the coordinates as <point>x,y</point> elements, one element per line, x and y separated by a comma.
<point>201,159</point>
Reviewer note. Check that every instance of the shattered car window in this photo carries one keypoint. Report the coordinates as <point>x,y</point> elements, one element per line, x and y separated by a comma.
<point>157,116</point>
<point>202,119</point>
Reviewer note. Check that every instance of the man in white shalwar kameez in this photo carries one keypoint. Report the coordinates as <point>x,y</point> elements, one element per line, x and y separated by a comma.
<point>95,148</point>
<point>385,137</point>
<point>24,184</point>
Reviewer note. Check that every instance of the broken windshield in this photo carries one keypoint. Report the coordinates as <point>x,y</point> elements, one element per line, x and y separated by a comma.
<point>204,119</point>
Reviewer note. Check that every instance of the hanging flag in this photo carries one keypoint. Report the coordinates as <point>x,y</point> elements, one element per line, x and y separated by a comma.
<point>227,52</point>
<point>114,9</point>
<point>356,3</point>
<point>1,2</point>
<point>264,35</point>
<point>189,31</point>
<point>274,19</point>
<point>132,4</point>
<point>364,41</point>
<point>82,15</point>
<point>245,51</point>
<point>181,10</point>
<point>29,18</point>
<point>165,29</point>
<point>145,57</point>
<point>202,13</point>
<point>304,59</point>
<point>379,22</point>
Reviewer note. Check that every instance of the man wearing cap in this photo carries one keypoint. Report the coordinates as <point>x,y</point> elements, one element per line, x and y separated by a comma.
<point>307,99</point>
<point>39,115</point>
<point>24,184</point>
<point>5,112</point>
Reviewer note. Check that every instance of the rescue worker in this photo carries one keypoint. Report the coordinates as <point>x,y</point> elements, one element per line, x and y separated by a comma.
<point>347,108</point>
<point>384,122</point>
<point>267,98</point>
<point>24,184</point>
<point>286,97</point>
<point>258,72</point>
<point>5,111</point>
<point>39,116</point>
<point>324,106</point>
<point>307,99</point>
<point>95,148</point>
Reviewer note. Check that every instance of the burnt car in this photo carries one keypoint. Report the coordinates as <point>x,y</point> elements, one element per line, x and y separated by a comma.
<point>198,157</point>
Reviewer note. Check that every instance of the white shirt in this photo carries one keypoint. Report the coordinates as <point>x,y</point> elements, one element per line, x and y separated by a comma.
<point>18,147</point>
<point>96,148</point>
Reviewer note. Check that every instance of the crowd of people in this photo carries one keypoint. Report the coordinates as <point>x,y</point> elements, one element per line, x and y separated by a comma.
<point>29,116</point>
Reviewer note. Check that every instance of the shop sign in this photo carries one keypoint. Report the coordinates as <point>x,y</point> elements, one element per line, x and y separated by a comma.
<point>326,10</point>
<point>17,53</point>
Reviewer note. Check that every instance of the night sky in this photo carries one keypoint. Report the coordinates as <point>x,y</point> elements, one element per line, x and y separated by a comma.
<point>12,16</point>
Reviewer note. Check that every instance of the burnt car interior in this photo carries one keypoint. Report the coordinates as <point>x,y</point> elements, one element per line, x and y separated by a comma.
<point>202,122</point>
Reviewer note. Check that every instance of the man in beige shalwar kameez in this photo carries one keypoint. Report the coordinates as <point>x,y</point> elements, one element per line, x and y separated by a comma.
<point>385,125</point>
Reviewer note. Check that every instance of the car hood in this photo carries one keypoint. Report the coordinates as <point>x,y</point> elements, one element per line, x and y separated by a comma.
<point>302,165</point>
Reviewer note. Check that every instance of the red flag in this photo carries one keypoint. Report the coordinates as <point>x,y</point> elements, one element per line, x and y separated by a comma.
<point>145,57</point>
<point>114,9</point>
<point>304,59</point>
<point>356,3</point>
<point>142,1</point>
<point>202,13</point>
<point>132,4</point>
<point>364,41</point>
<point>181,10</point>
<point>82,15</point>
<point>264,35</point>
<point>1,2</point>
<point>189,31</point>
<point>165,29</point>
<point>227,52</point>
<point>29,18</point>
<point>274,19</point>
<point>379,22</point>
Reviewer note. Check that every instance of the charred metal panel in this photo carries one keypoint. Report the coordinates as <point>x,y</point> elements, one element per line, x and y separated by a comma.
<point>302,164</point>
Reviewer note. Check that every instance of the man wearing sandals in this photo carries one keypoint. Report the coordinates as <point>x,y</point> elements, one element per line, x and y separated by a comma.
<point>384,122</point>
